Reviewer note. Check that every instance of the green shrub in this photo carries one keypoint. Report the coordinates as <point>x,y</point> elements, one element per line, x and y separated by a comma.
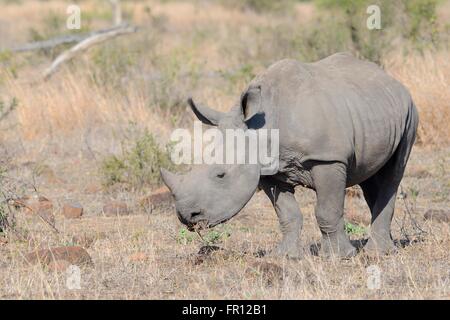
<point>422,21</point>
<point>413,20</point>
<point>216,235</point>
<point>259,5</point>
<point>355,229</point>
<point>138,165</point>
<point>112,61</point>
<point>213,236</point>
<point>185,236</point>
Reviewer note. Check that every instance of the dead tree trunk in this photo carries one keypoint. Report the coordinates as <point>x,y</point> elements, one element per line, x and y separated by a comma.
<point>85,44</point>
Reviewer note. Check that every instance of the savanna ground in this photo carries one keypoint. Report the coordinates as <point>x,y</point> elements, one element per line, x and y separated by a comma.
<point>97,131</point>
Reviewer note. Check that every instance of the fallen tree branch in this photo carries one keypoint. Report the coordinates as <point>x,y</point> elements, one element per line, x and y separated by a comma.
<point>85,44</point>
<point>54,42</point>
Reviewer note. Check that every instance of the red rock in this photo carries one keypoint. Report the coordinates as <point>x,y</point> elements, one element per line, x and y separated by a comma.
<point>159,198</point>
<point>72,211</point>
<point>115,208</point>
<point>41,207</point>
<point>59,265</point>
<point>74,255</point>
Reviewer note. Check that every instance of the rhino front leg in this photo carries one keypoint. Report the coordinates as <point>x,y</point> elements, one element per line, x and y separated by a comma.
<point>329,182</point>
<point>289,215</point>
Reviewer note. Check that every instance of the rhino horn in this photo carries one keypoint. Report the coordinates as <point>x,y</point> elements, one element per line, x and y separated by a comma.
<point>205,114</point>
<point>170,179</point>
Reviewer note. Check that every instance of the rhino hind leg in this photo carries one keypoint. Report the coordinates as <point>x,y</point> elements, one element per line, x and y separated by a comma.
<point>380,197</point>
<point>289,216</point>
<point>330,182</point>
<point>380,192</point>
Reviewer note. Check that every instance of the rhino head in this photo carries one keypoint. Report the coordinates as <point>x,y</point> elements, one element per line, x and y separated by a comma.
<point>212,194</point>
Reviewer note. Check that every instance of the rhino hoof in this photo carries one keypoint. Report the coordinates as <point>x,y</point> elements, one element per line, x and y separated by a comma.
<point>293,251</point>
<point>380,248</point>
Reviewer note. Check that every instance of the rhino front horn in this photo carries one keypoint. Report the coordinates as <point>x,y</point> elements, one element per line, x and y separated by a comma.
<point>169,178</point>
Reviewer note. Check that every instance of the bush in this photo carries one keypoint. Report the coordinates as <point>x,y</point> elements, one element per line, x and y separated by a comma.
<point>138,165</point>
<point>422,27</point>
<point>260,5</point>
<point>111,62</point>
<point>413,20</point>
<point>354,229</point>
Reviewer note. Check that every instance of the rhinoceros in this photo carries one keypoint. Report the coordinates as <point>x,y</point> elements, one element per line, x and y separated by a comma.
<point>342,122</point>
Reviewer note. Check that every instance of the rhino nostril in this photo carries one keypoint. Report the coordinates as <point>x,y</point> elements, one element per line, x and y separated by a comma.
<point>195,214</point>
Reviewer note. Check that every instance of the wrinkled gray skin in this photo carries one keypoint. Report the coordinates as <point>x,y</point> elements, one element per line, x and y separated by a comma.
<point>341,122</point>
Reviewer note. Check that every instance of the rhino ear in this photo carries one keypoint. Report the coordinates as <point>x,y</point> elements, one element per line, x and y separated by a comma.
<point>206,115</point>
<point>251,102</point>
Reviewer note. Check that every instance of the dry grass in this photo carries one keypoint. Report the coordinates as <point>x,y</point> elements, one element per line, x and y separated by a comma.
<point>69,123</point>
<point>428,78</point>
<point>139,256</point>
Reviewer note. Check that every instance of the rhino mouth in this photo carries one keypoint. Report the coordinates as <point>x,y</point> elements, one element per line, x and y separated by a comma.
<point>204,224</point>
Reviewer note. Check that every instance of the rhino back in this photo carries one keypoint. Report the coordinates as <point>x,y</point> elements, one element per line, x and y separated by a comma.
<point>338,109</point>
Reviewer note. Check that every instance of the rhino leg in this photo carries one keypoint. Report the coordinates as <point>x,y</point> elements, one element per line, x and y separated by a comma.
<point>329,182</point>
<point>289,216</point>
<point>380,197</point>
<point>380,192</point>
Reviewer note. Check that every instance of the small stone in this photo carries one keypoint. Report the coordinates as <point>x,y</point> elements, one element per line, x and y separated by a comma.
<point>59,265</point>
<point>438,215</point>
<point>75,255</point>
<point>42,207</point>
<point>159,198</point>
<point>115,208</point>
<point>72,211</point>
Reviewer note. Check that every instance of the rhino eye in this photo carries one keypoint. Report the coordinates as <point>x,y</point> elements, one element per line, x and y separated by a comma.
<point>221,175</point>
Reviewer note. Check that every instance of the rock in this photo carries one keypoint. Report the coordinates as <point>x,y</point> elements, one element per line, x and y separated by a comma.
<point>42,207</point>
<point>138,257</point>
<point>438,215</point>
<point>38,205</point>
<point>115,208</point>
<point>75,255</point>
<point>159,198</point>
<point>59,265</point>
<point>72,211</point>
